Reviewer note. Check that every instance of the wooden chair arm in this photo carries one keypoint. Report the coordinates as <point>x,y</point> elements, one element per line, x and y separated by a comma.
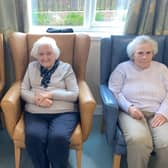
<point>19,133</point>
<point>11,107</point>
<point>87,106</point>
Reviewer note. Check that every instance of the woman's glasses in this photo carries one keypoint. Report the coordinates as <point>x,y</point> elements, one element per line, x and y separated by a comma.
<point>142,53</point>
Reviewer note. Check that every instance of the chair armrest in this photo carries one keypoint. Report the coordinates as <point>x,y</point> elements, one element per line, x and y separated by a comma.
<point>19,133</point>
<point>11,107</point>
<point>87,106</point>
<point>110,112</point>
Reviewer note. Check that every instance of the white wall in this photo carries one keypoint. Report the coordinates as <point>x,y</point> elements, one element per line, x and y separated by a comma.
<point>93,70</point>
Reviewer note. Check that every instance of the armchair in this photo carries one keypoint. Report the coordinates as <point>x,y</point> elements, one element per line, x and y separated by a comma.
<point>113,51</point>
<point>2,71</point>
<point>74,50</point>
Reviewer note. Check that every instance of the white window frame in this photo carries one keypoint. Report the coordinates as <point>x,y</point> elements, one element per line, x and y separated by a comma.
<point>89,24</point>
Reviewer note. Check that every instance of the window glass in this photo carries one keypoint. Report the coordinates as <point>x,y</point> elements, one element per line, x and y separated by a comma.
<point>91,15</point>
<point>57,12</point>
<point>110,11</point>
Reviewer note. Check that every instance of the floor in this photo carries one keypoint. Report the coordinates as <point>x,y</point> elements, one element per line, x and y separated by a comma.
<point>96,152</point>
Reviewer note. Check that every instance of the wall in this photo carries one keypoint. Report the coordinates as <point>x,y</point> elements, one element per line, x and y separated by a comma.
<point>93,70</point>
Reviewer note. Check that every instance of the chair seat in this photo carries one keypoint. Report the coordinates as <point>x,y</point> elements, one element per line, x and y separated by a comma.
<point>19,136</point>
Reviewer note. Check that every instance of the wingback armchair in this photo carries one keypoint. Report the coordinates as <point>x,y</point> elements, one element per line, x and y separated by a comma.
<point>74,50</point>
<point>2,69</point>
<point>113,51</point>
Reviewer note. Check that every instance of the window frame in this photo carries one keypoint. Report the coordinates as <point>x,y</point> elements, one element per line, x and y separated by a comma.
<point>89,25</point>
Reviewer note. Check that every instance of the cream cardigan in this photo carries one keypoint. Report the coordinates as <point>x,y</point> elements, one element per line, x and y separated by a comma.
<point>63,86</point>
<point>146,89</point>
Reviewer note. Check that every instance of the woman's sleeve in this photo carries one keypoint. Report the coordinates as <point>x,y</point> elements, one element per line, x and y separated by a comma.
<point>71,91</point>
<point>26,93</point>
<point>115,84</point>
<point>164,105</point>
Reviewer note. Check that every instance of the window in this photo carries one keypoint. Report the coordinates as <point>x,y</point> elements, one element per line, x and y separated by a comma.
<point>81,15</point>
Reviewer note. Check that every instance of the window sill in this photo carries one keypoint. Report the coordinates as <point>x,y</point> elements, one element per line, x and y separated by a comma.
<point>94,34</point>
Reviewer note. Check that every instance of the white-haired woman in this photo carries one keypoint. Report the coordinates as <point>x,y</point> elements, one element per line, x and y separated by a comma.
<point>50,91</point>
<point>141,88</point>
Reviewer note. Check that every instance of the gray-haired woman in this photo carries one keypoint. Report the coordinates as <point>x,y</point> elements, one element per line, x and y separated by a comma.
<point>141,88</point>
<point>50,91</point>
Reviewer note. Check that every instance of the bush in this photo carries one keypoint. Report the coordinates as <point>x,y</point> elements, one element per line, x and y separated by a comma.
<point>74,19</point>
<point>99,16</point>
<point>41,18</point>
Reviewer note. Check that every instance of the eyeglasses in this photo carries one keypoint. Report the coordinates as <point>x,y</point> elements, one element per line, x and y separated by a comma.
<point>142,53</point>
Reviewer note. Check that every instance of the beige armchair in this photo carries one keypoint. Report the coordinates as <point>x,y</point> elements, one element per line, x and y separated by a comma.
<point>2,71</point>
<point>74,50</point>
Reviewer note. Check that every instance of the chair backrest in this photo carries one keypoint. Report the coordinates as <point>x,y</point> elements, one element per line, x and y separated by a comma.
<point>2,62</point>
<point>113,51</point>
<point>74,50</point>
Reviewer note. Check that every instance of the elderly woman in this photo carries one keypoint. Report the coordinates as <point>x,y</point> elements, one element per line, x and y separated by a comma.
<point>50,91</point>
<point>141,88</point>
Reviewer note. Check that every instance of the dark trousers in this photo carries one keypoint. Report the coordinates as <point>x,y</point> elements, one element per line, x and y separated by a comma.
<point>48,138</point>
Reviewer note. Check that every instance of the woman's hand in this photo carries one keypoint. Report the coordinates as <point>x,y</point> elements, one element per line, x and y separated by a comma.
<point>43,99</point>
<point>135,113</point>
<point>46,95</point>
<point>158,120</point>
<point>46,103</point>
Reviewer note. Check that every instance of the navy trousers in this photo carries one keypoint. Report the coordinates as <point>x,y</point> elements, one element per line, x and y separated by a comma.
<point>48,138</point>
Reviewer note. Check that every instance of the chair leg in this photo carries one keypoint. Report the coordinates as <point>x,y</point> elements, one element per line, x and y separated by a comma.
<point>116,161</point>
<point>79,158</point>
<point>17,156</point>
<point>102,125</point>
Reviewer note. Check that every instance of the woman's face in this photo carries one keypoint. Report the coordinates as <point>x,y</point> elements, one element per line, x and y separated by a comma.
<point>46,56</point>
<point>143,55</point>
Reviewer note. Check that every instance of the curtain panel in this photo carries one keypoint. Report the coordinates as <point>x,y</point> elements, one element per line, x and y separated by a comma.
<point>147,17</point>
<point>13,17</point>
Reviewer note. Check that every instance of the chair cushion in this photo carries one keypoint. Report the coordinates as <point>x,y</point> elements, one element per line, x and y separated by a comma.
<point>63,41</point>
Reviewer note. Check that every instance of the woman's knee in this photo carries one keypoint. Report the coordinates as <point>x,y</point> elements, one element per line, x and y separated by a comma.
<point>160,139</point>
<point>139,139</point>
<point>34,137</point>
<point>58,139</point>
<point>162,143</point>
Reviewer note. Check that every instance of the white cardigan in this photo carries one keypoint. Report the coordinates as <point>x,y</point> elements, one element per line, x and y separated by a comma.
<point>63,86</point>
<point>147,89</point>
